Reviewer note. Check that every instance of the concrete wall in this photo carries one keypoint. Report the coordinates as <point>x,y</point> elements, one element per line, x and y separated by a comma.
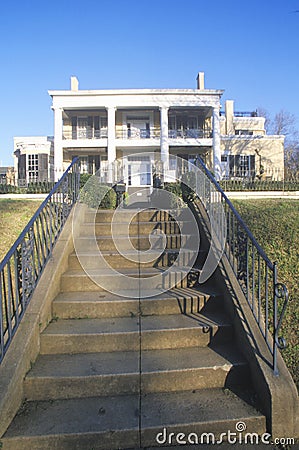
<point>270,148</point>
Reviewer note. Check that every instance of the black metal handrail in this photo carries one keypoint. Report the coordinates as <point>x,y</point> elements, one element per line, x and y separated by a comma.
<point>23,265</point>
<point>256,274</point>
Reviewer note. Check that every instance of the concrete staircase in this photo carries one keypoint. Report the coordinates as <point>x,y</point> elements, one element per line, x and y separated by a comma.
<point>135,370</point>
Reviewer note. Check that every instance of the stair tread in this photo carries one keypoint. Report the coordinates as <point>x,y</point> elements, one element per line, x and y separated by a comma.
<point>140,236</point>
<point>105,414</point>
<point>175,293</point>
<point>127,271</point>
<point>121,363</point>
<point>131,324</point>
<point>132,252</point>
<point>93,326</point>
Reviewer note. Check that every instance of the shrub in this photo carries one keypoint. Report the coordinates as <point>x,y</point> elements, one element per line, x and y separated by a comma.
<point>84,177</point>
<point>96,195</point>
<point>188,186</point>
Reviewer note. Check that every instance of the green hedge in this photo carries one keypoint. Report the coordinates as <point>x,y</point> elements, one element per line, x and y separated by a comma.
<point>258,185</point>
<point>32,188</point>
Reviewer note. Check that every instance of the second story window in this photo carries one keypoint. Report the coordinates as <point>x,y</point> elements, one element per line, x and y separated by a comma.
<point>89,127</point>
<point>138,127</point>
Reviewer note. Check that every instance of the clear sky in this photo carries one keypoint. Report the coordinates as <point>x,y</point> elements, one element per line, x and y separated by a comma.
<point>248,48</point>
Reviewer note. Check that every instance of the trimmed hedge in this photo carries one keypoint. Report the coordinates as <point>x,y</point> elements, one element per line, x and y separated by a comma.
<point>258,185</point>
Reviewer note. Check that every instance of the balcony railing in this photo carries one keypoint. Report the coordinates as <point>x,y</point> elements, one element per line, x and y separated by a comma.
<point>85,134</point>
<point>143,133</point>
<point>241,113</point>
<point>135,133</point>
<point>191,133</point>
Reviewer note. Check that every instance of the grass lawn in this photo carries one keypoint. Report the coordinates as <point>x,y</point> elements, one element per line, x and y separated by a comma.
<point>14,215</point>
<point>275,224</point>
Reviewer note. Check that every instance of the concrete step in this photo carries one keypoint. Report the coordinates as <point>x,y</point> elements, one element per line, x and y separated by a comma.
<point>130,259</point>
<point>90,335</point>
<point>119,280</point>
<point>158,241</point>
<point>76,305</point>
<point>118,373</point>
<point>132,333</point>
<point>114,422</point>
<point>197,411</point>
<point>134,228</point>
<point>136,215</point>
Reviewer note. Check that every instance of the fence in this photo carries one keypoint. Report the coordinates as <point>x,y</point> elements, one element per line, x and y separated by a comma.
<point>259,185</point>
<point>23,265</point>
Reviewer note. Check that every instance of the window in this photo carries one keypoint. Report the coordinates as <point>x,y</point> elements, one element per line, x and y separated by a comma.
<point>32,168</point>
<point>138,127</point>
<point>89,127</point>
<point>242,166</point>
<point>243,132</point>
<point>185,126</point>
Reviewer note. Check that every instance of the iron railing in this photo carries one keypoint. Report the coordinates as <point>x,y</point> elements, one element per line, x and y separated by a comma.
<point>242,113</point>
<point>256,274</point>
<point>23,265</point>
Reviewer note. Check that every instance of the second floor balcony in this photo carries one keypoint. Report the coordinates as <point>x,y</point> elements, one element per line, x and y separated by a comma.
<point>140,133</point>
<point>180,128</point>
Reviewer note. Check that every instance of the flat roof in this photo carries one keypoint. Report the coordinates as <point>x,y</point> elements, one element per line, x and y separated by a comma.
<point>135,92</point>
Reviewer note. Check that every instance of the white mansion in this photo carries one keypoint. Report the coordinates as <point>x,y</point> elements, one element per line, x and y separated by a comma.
<point>101,126</point>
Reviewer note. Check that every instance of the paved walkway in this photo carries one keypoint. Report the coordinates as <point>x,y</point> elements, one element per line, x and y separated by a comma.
<point>263,194</point>
<point>23,196</point>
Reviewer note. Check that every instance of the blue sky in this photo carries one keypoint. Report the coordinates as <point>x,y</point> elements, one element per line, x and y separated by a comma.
<point>249,49</point>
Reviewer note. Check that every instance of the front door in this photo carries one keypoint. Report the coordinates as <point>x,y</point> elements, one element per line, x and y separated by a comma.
<point>139,171</point>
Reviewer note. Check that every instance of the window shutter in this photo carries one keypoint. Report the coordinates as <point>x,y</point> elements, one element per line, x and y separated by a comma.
<point>22,167</point>
<point>89,127</point>
<point>74,127</point>
<point>42,167</point>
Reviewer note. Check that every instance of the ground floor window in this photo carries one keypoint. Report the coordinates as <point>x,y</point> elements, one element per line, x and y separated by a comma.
<point>241,166</point>
<point>91,163</point>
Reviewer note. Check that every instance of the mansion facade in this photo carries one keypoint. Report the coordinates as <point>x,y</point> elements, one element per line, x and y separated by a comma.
<point>101,126</point>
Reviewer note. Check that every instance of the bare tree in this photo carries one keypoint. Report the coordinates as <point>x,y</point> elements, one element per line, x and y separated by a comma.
<point>284,123</point>
<point>262,112</point>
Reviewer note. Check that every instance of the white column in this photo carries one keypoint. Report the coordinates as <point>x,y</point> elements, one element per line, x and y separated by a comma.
<point>111,134</point>
<point>164,135</point>
<point>111,142</point>
<point>216,144</point>
<point>58,150</point>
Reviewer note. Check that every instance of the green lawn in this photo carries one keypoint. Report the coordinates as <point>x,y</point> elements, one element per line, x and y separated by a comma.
<point>275,224</point>
<point>14,215</point>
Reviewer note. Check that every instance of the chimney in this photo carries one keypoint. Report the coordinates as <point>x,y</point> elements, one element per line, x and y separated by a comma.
<point>229,115</point>
<point>74,84</point>
<point>201,81</point>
